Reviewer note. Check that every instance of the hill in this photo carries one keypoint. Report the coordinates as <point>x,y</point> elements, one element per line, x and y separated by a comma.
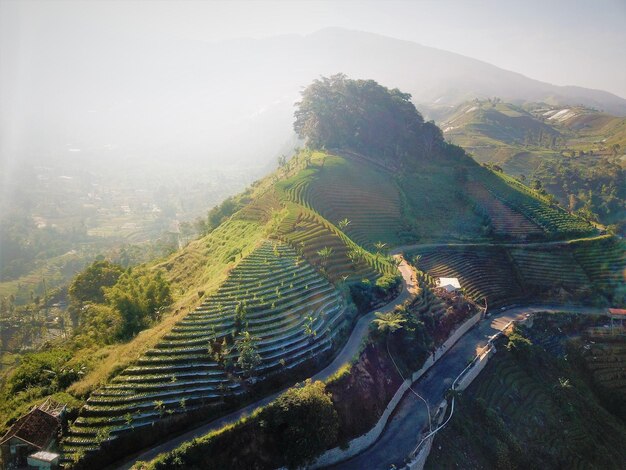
<point>269,293</point>
<point>210,87</point>
<point>573,152</point>
<point>538,408</point>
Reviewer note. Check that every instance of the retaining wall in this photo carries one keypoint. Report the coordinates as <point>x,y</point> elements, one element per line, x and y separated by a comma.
<point>359,444</point>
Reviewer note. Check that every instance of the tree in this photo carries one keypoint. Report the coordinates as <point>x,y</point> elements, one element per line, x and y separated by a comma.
<point>389,322</point>
<point>325,254</point>
<point>247,348</point>
<point>89,285</point>
<point>365,117</point>
<point>139,295</point>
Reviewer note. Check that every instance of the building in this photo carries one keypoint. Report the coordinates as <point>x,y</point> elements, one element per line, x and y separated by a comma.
<point>33,438</point>
<point>450,284</point>
<point>43,460</point>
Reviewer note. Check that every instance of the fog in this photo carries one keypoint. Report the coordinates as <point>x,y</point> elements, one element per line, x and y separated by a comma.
<point>115,84</point>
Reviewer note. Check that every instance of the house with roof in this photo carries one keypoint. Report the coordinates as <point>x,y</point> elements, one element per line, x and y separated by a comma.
<point>33,438</point>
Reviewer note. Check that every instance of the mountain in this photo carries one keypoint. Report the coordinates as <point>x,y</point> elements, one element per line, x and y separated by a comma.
<point>144,98</point>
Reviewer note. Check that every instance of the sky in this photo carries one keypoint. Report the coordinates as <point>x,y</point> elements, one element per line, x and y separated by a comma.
<point>564,42</point>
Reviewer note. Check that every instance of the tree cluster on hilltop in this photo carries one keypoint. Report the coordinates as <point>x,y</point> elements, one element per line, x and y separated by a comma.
<point>365,117</point>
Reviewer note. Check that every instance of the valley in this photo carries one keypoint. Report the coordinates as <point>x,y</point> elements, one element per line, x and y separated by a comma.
<point>313,293</point>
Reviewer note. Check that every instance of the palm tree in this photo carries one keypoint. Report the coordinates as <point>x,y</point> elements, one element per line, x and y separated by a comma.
<point>380,246</point>
<point>389,321</point>
<point>325,253</point>
<point>343,224</point>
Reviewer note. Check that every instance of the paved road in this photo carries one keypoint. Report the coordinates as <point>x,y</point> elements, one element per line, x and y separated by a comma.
<point>349,350</point>
<point>403,429</point>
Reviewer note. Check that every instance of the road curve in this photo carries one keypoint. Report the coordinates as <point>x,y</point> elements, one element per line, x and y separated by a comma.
<point>349,350</point>
<point>402,432</point>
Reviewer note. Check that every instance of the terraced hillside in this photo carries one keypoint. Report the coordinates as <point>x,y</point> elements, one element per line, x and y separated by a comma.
<point>527,409</point>
<point>550,267</point>
<point>326,247</point>
<point>273,294</point>
<point>505,221</point>
<point>604,261</point>
<point>484,273</point>
<point>362,194</point>
<point>552,219</point>
<point>507,273</point>
<point>604,359</point>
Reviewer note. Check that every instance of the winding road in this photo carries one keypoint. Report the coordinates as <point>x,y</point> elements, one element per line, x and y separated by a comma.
<point>403,429</point>
<point>349,350</point>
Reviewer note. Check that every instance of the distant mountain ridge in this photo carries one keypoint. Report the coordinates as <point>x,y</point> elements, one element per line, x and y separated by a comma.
<point>437,76</point>
<point>197,101</point>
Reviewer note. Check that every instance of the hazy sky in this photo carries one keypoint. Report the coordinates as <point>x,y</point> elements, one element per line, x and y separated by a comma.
<point>565,42</point>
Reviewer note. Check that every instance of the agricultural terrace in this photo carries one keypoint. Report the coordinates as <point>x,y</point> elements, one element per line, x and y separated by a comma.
<point>529,407</point>
<point>363,195</point>
<point>554,220</point>
<point>435,207</point>
<point>550,266</point>
<point>485,273</point>
<point>329,249</point>
<point>273,313</point>
<point>504,274</point>
<point>504,220</point>
<point>604,261</point>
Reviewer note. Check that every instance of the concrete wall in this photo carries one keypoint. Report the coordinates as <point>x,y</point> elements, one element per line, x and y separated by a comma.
<point>473,371</point>
<point>462,382</point>
<point>359,444</point>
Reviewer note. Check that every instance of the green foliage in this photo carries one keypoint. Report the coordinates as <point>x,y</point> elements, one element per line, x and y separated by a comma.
<point>139,295</point>
<point>48,370</point>
<point>102,323</point>
<point>247,347</point>
<point>366,117</point>
<point>389,322</point>
<point>89,285</point>
<point>388,282</point>
<point>303,421</point>
<point>218,214</point>
<point>519,345</point>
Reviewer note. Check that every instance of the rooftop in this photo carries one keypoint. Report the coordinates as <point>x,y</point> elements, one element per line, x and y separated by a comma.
<point>449,283</point>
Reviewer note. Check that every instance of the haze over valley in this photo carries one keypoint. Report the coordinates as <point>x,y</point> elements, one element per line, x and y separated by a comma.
<point>352,234</point>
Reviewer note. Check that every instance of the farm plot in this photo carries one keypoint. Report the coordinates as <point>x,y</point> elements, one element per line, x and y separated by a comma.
<point>356,192</point>
<point>505,221</point>
<point>273,296</point>
<point>553,219</point>
<point>483,273</point>
<point>326,247</point>
<point>554,267</point>
<point>604,261</point>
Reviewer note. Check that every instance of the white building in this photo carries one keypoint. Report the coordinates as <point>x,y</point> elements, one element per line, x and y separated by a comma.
<point>450,284</point>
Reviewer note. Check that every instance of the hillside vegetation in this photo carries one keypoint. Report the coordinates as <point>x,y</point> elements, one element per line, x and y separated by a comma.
<point>574,153</point>
<point>533,407</point>
<point>587,270</point>
<point>270,290</point>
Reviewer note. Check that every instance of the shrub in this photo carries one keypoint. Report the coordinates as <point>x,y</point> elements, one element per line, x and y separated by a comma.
<point>303,421</point>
